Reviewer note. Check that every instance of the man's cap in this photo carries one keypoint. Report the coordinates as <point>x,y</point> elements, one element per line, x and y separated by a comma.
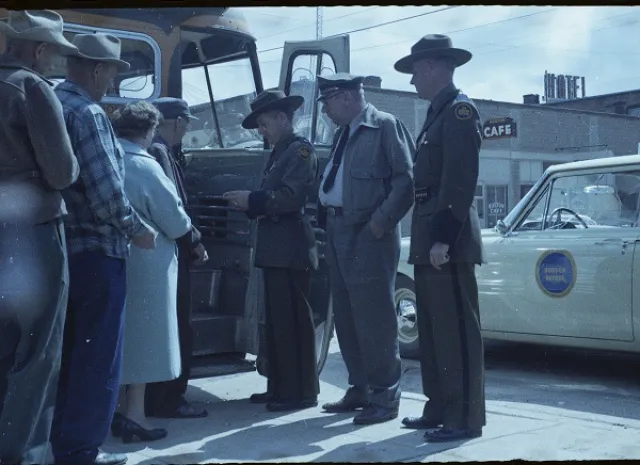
<point>336,83</point>
<point>37,26</point>
<point>100,47</point>
<point>172,108</point>
<point>270,100</point>
<point>432,46</point>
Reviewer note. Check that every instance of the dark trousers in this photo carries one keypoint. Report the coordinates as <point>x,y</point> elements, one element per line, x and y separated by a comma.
<point>167,396</point>
<point>290,334</point>
<point>34,283</point>
<point>451,349</point>
<point>91,357</point>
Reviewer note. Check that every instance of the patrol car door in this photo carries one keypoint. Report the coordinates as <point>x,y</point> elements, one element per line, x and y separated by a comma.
<point>302,63</point>
<point>566,268</point>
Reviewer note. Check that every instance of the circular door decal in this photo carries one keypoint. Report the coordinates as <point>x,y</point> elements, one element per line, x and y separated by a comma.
<point>556,273</point>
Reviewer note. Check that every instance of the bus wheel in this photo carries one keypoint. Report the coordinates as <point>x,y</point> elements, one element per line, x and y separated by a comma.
<point>324,334</point>
<point>405,299</point>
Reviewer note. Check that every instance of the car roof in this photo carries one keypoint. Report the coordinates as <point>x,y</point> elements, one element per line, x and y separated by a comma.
<point>606,162</point>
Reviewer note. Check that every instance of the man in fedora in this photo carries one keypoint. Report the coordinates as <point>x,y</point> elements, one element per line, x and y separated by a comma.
<point>285,250</point>
<point>367,188</point>
<point>446,245</point>
<point>166,400</point>
<point>36,163</point>
<point>99,226</point>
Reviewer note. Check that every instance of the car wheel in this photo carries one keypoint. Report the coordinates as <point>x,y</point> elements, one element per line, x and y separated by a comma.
<point>406,311</point>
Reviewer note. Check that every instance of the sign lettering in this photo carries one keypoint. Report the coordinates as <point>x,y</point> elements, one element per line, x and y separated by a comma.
<point>499,128</point>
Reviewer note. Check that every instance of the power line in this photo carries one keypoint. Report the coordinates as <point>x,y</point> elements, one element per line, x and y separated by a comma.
<point>377,25</point>
<point>304,26</point>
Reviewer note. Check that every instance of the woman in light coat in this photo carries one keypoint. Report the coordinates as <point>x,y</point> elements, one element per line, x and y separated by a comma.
<point>151,347</point>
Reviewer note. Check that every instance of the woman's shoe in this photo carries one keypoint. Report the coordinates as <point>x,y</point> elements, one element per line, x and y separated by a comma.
<point>133,432</point>
<point>116,424</point>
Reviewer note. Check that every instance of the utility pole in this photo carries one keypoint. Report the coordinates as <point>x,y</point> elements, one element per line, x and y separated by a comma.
<point>318,22</point>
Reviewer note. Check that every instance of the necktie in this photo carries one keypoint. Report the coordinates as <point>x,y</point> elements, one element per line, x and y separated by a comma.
<point>337,158</point>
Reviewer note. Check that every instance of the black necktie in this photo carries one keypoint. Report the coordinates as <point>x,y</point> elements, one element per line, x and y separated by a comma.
<point>337,158</point>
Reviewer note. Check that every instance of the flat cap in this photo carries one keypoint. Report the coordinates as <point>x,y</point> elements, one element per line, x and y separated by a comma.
<point>172,108</point>
<point>335,83</point>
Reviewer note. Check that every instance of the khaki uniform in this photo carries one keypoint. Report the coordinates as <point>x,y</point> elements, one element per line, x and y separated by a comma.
<point>446,174</point>
<point>286,251</point>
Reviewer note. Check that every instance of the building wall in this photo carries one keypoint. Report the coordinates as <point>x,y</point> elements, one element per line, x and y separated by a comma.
<point>621,103</point>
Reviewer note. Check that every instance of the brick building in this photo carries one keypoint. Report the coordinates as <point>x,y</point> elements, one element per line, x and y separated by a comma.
<point>622,103</point>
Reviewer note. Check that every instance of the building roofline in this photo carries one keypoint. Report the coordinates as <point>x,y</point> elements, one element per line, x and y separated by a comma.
<point>593,97</point>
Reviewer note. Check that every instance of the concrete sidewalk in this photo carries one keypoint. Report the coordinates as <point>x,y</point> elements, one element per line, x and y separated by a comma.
<point>238,431</point>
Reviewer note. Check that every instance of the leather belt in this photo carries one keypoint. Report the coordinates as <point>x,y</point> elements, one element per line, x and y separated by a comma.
<point>335,211</point>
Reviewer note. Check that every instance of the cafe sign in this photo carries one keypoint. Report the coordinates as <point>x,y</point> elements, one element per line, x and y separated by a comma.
<point>499,128</point>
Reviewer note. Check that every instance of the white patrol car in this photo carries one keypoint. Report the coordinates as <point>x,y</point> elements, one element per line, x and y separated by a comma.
<point>563,267</point>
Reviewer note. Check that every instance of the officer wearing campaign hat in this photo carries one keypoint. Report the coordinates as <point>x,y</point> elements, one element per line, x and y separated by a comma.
<point>366,190</point>
<point>286,252</point>
<point>166,399</point>
<point>446,245</point>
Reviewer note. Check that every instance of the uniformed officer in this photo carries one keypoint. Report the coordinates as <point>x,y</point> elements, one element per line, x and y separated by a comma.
<point>366,190</point>
<point>446,245</point>
<point>286,250</point>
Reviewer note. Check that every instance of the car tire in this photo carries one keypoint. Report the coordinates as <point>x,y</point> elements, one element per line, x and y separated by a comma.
<point>406,311</point>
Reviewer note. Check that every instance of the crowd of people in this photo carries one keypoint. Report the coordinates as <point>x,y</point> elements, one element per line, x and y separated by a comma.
<point>93,220</point>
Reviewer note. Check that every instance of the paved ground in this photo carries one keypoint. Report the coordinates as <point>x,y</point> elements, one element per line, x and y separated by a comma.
<point>542,405</point>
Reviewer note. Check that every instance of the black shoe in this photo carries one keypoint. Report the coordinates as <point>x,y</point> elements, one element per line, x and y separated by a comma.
<point>283,406</point>
<point>105,458</point>
<point>451,434</point>
<point>421,423</point>
<point>116,424</point>
<point>375,414</point>
<point>261,398</point>
<point>185,410</point>
<point>351,402</point>
<point>133,432</point>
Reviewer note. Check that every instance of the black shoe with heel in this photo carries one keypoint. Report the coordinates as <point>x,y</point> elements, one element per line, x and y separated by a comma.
<point>133,432</point>
<point>116,424</point>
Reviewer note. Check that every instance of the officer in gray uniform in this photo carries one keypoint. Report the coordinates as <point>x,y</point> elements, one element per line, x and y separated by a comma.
<point>286,250</point>
<point>446,245</point>
<point>366,190</point>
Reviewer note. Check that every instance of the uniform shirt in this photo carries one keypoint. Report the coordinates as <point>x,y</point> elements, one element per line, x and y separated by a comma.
<point>333,198</point>
<point>100,217</point>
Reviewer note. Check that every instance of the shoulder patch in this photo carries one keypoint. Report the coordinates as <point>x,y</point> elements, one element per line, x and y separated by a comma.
<point>304,152</point>
<point>463,110</point>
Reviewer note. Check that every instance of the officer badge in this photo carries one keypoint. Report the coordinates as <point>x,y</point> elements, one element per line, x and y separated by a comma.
<point>463,111</point>
<point>304,152</point>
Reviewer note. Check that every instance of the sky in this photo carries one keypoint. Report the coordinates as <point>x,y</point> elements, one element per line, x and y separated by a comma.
<point>512,46</point>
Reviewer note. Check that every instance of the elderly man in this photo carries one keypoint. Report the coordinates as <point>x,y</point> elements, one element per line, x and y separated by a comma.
<point>286,251</point>
<point>36,162</point>
<point>367,189</point>
<point>99,227</point>
<point>446,245</point>
<point>166,400</point>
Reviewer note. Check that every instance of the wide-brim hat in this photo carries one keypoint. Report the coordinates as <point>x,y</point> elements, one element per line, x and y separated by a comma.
<point>37,26</point>
<point>270,100</point>
<point>100,47</point>
<point>432,46</point>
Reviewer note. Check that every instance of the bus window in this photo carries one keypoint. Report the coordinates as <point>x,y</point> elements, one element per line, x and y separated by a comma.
<point>303,82</point>
<point>233,88</point>
<point>139,81</point>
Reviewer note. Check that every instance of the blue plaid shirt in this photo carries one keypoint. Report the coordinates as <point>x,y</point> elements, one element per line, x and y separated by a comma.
<point>99,217</point>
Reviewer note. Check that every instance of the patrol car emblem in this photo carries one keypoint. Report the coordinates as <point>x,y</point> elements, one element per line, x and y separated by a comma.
<point>304,152</point>
<point>463,111</point>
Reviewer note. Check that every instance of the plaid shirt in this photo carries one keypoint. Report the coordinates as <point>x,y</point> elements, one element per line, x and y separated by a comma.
<point>99,217</point>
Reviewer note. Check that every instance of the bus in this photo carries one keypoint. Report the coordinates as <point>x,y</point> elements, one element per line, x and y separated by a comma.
<point>208,57</point>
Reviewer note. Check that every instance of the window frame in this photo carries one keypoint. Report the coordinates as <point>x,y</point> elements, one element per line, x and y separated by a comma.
<point>157,57</point>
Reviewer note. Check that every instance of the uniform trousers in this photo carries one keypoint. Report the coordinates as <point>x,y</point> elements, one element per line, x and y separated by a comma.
<point>362,272</point>
<point>451,349</point>
<point>167,396</point>
<point>34,284</point>
<point>91,357</point>
<point>290,335</point>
